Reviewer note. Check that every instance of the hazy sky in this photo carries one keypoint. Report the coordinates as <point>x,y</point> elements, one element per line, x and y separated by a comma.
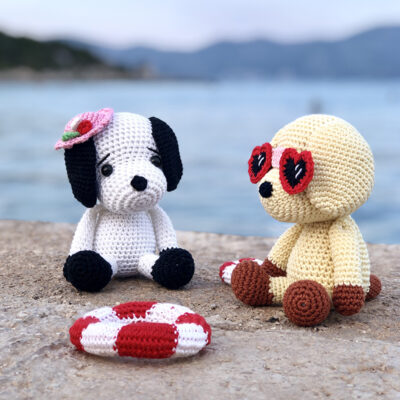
<point>190,24</point>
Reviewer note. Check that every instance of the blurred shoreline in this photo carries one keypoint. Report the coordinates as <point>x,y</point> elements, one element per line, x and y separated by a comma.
<point>92,74</point>
<point>29,75</point>
<point>25,74</point>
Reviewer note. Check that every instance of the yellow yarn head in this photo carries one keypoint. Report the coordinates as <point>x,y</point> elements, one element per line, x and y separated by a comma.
<point>343,171</point>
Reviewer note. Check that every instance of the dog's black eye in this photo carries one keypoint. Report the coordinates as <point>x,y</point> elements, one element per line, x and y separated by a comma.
<point>106,169</point>
<point>156,160</point>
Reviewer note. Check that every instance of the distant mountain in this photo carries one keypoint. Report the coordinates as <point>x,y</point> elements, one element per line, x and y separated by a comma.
<point>372,54</point>
<point>52,55</point>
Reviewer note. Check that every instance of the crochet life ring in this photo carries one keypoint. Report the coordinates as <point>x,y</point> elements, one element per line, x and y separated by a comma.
<point>141,330</point>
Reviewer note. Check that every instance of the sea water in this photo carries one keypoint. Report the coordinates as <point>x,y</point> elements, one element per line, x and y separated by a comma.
<point>217,124</point>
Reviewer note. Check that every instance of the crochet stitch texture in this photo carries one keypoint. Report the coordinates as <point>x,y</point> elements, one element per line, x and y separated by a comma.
<point>120,168</point>
<point>141,330</point>
<point>321,170</point>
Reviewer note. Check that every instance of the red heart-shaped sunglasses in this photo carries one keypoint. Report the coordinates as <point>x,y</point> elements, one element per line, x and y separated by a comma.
<point>296,170</point>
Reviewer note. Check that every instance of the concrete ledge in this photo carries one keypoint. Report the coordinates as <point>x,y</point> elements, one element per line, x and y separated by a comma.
<point>255,352</point>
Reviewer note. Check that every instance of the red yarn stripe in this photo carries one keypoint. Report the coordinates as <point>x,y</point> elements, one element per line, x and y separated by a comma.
<point>223,266</point>
<point>133,309</point>
<point>147,340</point>
<point>75,332</point>
<point>191,318</point>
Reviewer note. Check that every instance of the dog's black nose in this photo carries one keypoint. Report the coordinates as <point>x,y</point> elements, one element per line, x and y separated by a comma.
<point>265,189</point>
<point>139,183</point>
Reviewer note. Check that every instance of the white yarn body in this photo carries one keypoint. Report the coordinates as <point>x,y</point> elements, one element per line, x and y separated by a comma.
<point>127,242</point>
<point>127,226</point>
<point>123,239</point>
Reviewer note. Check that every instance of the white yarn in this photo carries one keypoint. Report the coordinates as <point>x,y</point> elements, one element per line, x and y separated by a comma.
<point>127,139</point>
<point>146,263</point>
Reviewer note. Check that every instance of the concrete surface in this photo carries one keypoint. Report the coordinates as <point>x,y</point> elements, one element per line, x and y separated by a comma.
<point>255,352</point>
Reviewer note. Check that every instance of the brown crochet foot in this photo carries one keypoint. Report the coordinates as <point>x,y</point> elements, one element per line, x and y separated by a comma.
<point>375,287</point>
<point>271,269</point>
<point>250,283</point>
<point>348,299</point>
<point>306,303</point>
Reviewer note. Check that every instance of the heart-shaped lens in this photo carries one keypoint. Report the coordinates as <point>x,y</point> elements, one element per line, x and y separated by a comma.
<point>260,162</point>
<point>296,170</point>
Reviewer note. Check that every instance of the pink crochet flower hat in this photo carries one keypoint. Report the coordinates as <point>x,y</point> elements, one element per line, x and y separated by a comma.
<point>82,127</point>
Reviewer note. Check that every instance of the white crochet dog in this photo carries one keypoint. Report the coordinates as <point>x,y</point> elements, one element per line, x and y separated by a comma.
<point>126,162</point>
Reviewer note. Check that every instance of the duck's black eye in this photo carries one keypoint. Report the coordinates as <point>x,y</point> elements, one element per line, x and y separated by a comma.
<point>156,160</point>
<point>106,169</point>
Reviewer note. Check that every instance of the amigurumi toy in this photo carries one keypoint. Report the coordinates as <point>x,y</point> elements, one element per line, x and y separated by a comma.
<point>141,329</point>
<point>123,162</point>
<point>315,172</point>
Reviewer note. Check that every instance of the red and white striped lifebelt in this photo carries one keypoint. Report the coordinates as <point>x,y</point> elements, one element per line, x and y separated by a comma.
<point>226,269</point>
<point>141,330</point>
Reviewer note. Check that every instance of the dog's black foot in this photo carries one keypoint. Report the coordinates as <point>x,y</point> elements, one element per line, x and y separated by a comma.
<point>87,270</point>
<point>174,268</point>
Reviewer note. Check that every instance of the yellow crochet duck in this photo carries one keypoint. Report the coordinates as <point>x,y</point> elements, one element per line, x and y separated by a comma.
<point>315,172</point>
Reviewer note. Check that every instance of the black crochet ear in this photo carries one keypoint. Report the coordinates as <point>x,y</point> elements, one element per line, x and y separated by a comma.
<point>167,145</point>
<point>80,161</point>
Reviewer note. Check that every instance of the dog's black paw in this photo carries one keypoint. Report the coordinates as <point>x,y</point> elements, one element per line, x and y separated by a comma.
<point>174,268</point>
<point>87,271</point>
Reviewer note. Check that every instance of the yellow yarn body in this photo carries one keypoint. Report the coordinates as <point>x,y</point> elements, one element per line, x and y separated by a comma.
<point>305,251</point>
